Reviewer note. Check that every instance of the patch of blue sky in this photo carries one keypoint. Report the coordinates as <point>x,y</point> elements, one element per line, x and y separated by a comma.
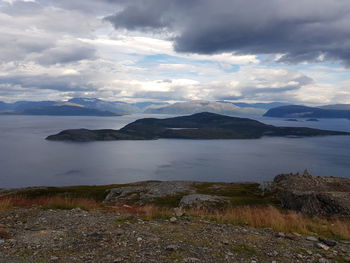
<point>152,60</point>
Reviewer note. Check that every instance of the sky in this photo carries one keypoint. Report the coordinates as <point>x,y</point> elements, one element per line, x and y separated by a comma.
<point>176,50</point>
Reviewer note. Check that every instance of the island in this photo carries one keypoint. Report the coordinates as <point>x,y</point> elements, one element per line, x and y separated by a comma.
<point>203,125</point>
<point>300,111</point>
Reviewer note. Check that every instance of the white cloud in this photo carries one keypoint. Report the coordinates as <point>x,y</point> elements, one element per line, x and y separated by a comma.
<point>54,49</point>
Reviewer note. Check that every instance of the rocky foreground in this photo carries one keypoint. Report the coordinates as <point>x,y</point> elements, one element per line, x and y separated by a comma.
<point>36,235</point>
<point>179,222</point>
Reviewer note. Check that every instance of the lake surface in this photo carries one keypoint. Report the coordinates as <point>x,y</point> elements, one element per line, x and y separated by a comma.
<point>26,159</point>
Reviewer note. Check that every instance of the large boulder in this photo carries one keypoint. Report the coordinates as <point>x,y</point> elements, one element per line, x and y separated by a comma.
<point>148,191</point>
<point>201,201</point>
<point>326,196</point>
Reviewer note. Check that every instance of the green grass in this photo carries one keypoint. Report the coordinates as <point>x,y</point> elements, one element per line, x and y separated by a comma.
<point>167,201</point>
<point>96,192</point>
<point>239,194</point>
<point>175,257</point>
<point>245,250</point>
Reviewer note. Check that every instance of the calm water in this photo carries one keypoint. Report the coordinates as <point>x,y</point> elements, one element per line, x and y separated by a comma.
<point>26,159</point>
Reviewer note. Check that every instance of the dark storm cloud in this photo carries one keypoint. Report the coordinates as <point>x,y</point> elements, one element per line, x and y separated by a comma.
<point>308,30</point>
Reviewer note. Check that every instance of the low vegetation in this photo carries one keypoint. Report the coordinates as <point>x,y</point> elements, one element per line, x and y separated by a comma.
<point>52,202</point>
<point>252,208</point>
<point>257,217</point>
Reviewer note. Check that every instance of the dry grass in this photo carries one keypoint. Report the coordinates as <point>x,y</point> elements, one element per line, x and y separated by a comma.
<point>147,212</point>
<point>257,217</point>
<point>53,202</point>
<point>5,203</point>
<point>281,221</point>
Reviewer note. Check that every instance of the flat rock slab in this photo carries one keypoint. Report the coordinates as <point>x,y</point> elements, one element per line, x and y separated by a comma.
<point>201,201</point>
<point>313,195</point>
<point>149,190</point>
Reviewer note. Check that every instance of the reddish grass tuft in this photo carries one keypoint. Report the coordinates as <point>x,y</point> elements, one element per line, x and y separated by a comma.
<point>4,234</point>
<point>280,221</point>
<point>54,202</point>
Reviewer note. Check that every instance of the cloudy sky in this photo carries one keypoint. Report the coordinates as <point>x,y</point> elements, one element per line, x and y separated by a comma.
<point>176,50</point>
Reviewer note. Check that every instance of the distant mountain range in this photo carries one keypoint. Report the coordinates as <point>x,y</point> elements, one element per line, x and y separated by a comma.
<point>64,110</point>
<point>118,107</point>
<point>98,107</point>
<point>203,125</point>
<point>191,107</point>
<point>266,106</point>
<point>299,111</point>
<point>75,107</point>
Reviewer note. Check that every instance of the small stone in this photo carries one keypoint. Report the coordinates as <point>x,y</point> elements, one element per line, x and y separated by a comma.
<point>291,236</point>
<point>309,252</point>
<point>54,258</point>
<point>300,256</point>
<point>322,246</point>
<point>119,232</point>
<point>171,248</point>
<point>323,260</point>
<point>2,241</point>
<point>173,219</point>
<point>329,243</point>
<point>139,239</point>
<point>230,254</point>
<point>117,260</point>
<point>281,234</point>
<point>296,234</point>
<point>191,260</point>
<point>225,242</point>
<point>96,235</point>
<point>178,211</point>
<point>312,239</point>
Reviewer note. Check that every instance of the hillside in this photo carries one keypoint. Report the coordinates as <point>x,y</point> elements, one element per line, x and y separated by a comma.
<point>197,126</point>
<point>299,111</point>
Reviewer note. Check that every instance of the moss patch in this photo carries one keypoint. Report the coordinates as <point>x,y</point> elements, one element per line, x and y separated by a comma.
<point>239,194</point>
<point>96,192</point>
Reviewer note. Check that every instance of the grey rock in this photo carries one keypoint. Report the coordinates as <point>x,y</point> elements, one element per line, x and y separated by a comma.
<point>322,246</point>
<point>310,238</point>
<point>323,260</point>
<point>266,186</point>
<point>191,260</point>
<point>148,191</point>
<point>326,196</point>
<point>201,201</point>
<point>171,247</point>
<point>178,211</point>
<point>328,242</point>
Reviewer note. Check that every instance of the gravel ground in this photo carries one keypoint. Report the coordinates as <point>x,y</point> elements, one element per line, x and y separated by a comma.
<point>36,235</point>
